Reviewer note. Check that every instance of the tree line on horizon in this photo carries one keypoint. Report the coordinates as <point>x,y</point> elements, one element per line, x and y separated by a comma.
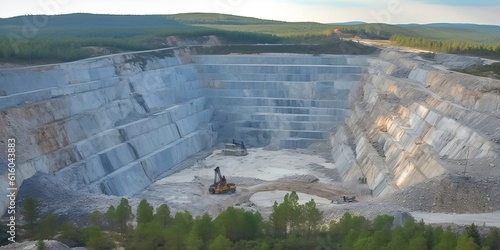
<point>61,46</point>
<point>290,226</point>
<point>452,47</point>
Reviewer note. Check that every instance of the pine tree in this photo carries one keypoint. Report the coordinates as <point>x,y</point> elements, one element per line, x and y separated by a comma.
<point>447,241</point>
<point>144,212</point>
<point>47,227</point>
<point>123,214</point>
<point>176,233</point>
<point>193,241</point>
<point>220,243</point>
<point>312,217</point>
<point>418,243</point>
<point>97,240</point>
<point>147,236</point>
<point>493,239</point>
<point>204,228</point>
<point>95,218</point>
<point>398,240</point>
<point>473,233</point>
<point>464,242</point>
<point>162,215</point>
<point>111,218</point>
<point>30,212</point>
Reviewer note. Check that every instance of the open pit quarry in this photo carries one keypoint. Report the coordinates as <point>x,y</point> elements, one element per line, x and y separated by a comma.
<point>398,132</point>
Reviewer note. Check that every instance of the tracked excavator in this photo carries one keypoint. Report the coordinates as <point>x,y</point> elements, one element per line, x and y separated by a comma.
<point>220,185</point>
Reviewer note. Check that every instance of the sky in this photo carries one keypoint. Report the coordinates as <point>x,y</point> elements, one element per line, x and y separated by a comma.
<point>325,11</point>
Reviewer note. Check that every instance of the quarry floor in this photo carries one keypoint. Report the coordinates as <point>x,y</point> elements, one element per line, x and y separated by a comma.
<point>262,177</point>
<point>265,176</point>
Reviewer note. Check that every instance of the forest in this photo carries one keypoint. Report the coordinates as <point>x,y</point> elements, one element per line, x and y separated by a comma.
<point>40,39</point>
<point>453,47</point>
<point>43,39</point>
<point>290,226</point>
<point>442,32</point>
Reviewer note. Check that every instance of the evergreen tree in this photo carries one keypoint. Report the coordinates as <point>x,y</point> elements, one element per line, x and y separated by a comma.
<point>204,228</point>
<point>97,240</point>
<point>381,238</point>
<point>193,241</point>
<point>252,225</point>
<point>418,243</point>
<point>493,239</point>
<point>220,243</point>
<point>312,217</point>
<point>294,212</point>
<point>176,234</point>
<point>147,236</point>
<point>40,245</point>
<point>111,218</point>
<point>230,224</point>
<point>364,243</point>
<point>398,240</point>
<point>95,218</point>
<point>383,223</point>
<point>473,233</point>
<point>278,220</point>
<point>144,212</point>
<point>162,215</point>
<point>71,235</point>
<point>464,242</point>
<point>47,227</point>
<point>288,217</point>
<point>30,212</point>
<point>447,241</point>
<point>123,214</point>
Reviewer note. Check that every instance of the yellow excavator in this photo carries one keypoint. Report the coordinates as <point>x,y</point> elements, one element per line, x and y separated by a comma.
<point>220,185</point>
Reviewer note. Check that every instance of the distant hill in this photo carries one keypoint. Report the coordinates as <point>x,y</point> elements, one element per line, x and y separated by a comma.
<point>348,23</point>
<point>492,29</point>
<point>75,36</point>
<point>225,19</point>
<point>464,32</point>
<point>92,24</point>
<point>253,25</point>
<point>94,21</point>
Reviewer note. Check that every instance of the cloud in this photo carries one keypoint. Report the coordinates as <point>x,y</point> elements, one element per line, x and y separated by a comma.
<point>388,11</point>
<point>415,12</point>
<point>333,3</point>
<point>462,2</point>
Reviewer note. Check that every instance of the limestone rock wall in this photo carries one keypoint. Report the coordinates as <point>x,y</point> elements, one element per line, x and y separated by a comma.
<point>114,124</point>
<point>410,122</point>
<point>280,100</point>
<point>108,125</point>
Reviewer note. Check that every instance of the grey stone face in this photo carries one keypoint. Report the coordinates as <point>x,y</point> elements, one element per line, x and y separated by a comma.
<point>113,126</point>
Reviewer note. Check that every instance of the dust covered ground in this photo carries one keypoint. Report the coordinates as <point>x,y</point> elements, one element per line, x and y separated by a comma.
<point>265,176</point>
<point>262,177</point>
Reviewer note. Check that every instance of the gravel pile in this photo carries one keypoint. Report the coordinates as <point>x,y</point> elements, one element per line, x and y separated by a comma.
<point>457,61</point>
<point>32,245</point>
<point>451,194</point>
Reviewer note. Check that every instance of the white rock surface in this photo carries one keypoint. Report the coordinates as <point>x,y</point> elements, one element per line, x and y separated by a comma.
<point>116,124</point>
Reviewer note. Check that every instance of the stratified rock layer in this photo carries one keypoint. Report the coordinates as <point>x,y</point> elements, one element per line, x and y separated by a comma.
<point>410,122</point>
<point>114,125</point>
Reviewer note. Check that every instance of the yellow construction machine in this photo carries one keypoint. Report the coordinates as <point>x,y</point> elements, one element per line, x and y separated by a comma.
<point>220,185</point>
